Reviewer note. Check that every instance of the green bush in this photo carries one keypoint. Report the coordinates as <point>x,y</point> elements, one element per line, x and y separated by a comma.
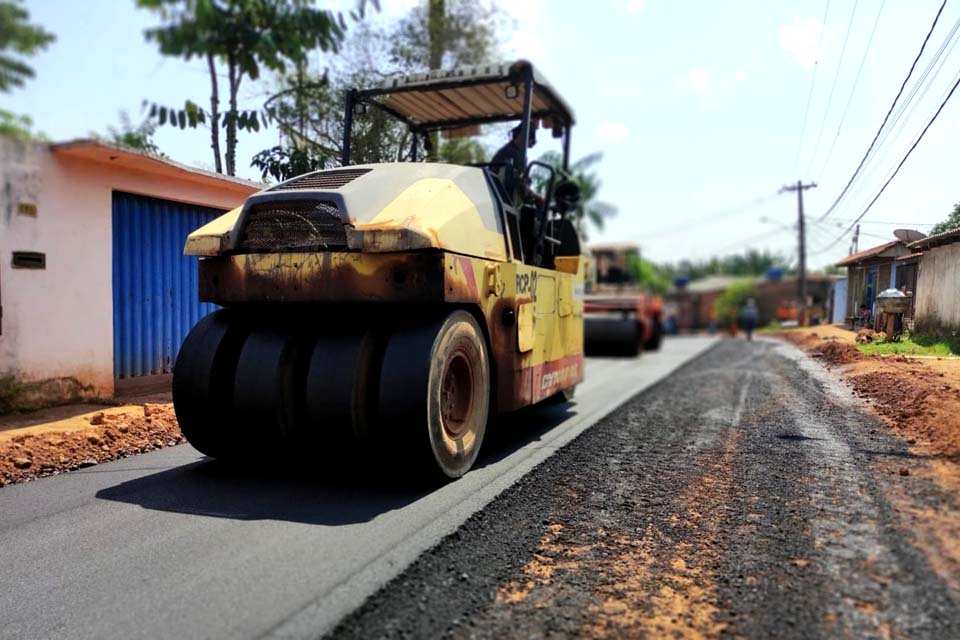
<point>727,306</point>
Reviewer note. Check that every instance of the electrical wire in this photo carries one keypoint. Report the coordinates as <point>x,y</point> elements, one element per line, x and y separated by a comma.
<point>813,82</point>
<point>889,111</point>
<point>950,41</point>
<point>833,86</point>
<point>909,104</point>
<point>685,226</point>
<point>853,89</point>
<point>907,107</point>
<point>904,160</point>
<point>916,224</point>
<point>745,243</point>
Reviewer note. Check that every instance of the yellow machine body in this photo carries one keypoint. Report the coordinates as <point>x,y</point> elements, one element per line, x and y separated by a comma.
<point>436,237</point>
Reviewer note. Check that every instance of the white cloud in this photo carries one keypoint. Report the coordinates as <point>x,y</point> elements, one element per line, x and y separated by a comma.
<point>526,39</point>
<point>526,44</point>
<point>802,37</point>
<point>525,12</point>
<point>698,79</point>
<point>740,76</point>
<point>636,6</point>
<point>613,131</point>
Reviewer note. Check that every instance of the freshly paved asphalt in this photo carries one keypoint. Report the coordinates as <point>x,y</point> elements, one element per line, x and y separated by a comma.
<point>171,544</point>
<point>748,495</point>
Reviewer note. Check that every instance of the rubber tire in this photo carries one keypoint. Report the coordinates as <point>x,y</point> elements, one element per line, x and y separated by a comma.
<point>415,363</point>
<point>656,337</point>
<point>612,337</point>
<point>203,378</point>
<point>264,388</point>
<point>342,382</point>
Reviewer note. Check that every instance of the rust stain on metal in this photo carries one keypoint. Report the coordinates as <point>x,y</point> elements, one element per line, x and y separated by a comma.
<point>324,276</point>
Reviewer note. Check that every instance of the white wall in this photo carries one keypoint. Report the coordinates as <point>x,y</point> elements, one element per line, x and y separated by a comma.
<point>938,289</point>
<point>58,322</point>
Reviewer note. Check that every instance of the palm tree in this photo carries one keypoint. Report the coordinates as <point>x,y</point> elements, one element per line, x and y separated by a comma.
<point>590,209</point>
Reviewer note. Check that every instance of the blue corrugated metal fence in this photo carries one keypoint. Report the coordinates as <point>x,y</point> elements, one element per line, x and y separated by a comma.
<point>154,285</point>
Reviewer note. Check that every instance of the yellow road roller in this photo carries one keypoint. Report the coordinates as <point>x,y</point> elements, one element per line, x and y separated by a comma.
<point>393,306</point>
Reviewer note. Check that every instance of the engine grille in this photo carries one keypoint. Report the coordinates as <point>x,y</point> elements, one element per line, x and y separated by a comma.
<point>321,180</point>
<point>309,225</point>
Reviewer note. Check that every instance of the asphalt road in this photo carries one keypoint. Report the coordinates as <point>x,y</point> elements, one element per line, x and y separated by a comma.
<point>170,544</point>
<point>748,495</point>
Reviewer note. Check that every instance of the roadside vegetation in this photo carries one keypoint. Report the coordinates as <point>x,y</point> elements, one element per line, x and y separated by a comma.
<point>913,346</point>
<point>727,306</point>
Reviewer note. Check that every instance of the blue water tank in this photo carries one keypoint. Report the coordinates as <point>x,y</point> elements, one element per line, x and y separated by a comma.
<point>774,274</point>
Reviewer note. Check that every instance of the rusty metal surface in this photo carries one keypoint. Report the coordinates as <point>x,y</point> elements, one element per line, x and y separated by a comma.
<point>322,277</point>
<point>516,303</point>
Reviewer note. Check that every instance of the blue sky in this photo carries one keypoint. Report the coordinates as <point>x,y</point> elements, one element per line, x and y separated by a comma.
<point>698,107</point>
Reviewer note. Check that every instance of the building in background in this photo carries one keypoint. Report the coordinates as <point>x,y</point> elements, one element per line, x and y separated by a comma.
<point>937,278</point>
<point>692,304</point>
<point>868,273</point>
<point>612,261</point>
<point>94,287</point>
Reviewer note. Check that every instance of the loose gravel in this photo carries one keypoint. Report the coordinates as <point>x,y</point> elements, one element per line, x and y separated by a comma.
<point>745,495</point>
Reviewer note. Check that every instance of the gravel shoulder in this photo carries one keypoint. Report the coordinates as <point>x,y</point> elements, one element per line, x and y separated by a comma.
<point>748,494</point>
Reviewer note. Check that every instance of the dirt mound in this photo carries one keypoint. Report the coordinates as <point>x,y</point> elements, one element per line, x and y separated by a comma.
<point>110,436</point>
<point>893,395</point>
<point>838,353</point>
<point>918,398</point>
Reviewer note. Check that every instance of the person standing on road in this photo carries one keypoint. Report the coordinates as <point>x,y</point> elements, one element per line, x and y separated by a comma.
<point>748,317</point>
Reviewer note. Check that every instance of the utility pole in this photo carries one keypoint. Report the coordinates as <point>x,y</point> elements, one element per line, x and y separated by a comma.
<point>801,230</point>
<point>855,243</point>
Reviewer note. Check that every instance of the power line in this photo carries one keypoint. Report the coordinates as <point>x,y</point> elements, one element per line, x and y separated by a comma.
<point>833,87</point>
<point>853,89</point>
<point>909,104</point>
<point>813,82</point>
<point>889,111</point>
<point>745,243</point>
<point>904,160</point>
<point>723,213</point>
<point>916,224</point>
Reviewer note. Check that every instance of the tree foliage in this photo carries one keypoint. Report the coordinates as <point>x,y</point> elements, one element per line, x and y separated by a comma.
<point>649,275</point>
<point>18,38</point>
<point>308,105</point>
<point>952,222</point>
<point>582,172</point>
<point>465,33</point>
<point>748,263</point>
<point>134,136</point>
<point>245,36</point>
<point>15,125</point>
<point>727,306</point>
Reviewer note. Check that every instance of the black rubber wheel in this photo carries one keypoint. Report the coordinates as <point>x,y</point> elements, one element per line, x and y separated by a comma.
<point>435,382</point>
<point>343,377</point>
<point>612,336</point>
<point>264,388</point>
<point>656,337</point>
<point>203,378</point>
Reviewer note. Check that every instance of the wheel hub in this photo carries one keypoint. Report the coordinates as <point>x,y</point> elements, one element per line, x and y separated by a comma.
<point>456,395</point>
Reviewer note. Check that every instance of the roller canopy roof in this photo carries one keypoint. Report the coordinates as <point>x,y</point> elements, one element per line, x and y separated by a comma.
<point>469,95</point>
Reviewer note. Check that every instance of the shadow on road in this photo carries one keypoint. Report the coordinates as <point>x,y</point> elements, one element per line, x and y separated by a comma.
<point>334,491</point>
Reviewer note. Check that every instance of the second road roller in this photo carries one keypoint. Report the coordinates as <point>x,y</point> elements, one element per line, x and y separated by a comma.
<point>394,306</point>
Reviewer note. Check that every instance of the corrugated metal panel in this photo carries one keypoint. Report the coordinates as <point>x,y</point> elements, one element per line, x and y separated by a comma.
<point>155,299</point>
